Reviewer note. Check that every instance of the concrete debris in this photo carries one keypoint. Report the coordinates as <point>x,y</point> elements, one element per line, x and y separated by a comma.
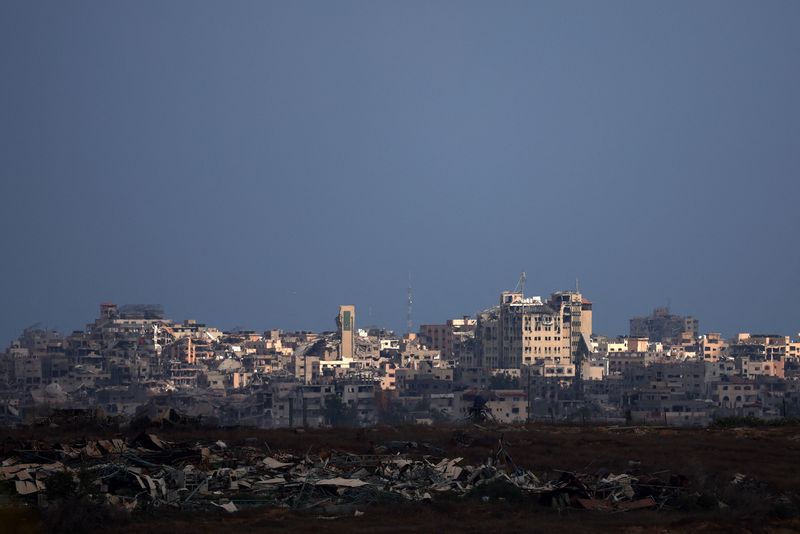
<point>150,442</point>
<point>228,507</point>
<point>341,482</point>
<point>147,472</point>
<point>26,487</point>
<point>272,463</point>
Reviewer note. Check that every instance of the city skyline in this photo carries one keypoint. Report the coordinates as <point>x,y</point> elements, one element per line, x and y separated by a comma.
<point>366,321</point>
<point>260,166</point>
<point>409,266</point>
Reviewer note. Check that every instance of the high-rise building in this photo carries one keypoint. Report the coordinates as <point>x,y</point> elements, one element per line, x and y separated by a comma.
<point>346,323</point>
<point>577,313</point>
<point>527,331</point>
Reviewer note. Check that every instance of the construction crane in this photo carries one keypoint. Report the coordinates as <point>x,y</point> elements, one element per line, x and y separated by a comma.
<point>521,283</point>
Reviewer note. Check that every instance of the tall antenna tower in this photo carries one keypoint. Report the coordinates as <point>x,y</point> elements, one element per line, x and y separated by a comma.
<point>520,287</point>
<point>409,304</point>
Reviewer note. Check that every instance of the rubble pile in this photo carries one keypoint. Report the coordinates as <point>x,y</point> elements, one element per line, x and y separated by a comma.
<point>148,472</point>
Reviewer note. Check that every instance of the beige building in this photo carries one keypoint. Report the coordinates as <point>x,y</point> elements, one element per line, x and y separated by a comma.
<point>734,393</point>
<point>527,331</point>
<point>306,367</point>
<point>614,346</point>
<point>751,368</point>
<point>711,346</point>
<point>346,322</point>
<point>594,370</point>
<point>433,336</point>
<point>508,406</point>
<point>577,311</point>
<point>443,337</point>
<point>388,378</point>
<point>557,370</point>
<point>793,350</point>
<point>638,344</point>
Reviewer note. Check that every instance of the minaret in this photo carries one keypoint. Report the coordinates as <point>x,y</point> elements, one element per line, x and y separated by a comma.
<point>346,321</point>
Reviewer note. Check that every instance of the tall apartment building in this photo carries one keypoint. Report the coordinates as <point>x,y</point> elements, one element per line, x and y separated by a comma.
<point>663,326</point>
<point>577,311</point>
<point>527,331</point>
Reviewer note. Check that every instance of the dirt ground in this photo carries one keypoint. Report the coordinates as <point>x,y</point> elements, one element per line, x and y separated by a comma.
<point>708,459</point>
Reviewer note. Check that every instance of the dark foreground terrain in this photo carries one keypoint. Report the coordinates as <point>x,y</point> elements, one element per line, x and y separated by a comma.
<point>701,480</point>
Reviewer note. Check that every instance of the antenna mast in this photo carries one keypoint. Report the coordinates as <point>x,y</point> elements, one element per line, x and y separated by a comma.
<point>410,301</point>
<point>521,283</point>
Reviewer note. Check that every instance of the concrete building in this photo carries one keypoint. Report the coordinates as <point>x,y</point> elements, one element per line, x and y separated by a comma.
<point>734,392</point>
<point>346,322</point>
<point>306,368</point>
<point>508,406</point>
<point>751,368</point>
<point>664,326</point>
<point>594,369</point>
<point>445,337</point>
<point>638,344</point>
<point>576,312</point>
<point>762,347</point>
<point>526,331</point>
<point>620,363</point>
<point>359,396</point>
<point>613,346</point>
<point>711,346</point>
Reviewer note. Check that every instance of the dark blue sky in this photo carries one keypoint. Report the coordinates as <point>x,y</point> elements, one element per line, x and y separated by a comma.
<point>258,163</point>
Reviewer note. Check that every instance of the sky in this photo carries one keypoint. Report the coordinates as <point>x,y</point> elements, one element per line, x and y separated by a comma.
<point>256,164</point>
